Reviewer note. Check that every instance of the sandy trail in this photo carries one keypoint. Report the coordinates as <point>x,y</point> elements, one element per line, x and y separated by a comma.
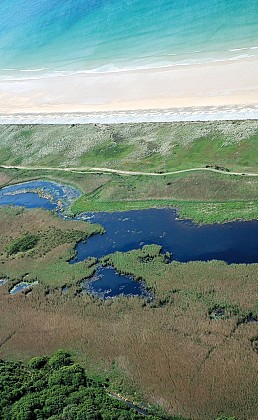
<point>83,170</point>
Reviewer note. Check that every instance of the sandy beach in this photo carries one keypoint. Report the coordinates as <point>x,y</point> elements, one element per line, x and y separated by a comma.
<point>230,87</point>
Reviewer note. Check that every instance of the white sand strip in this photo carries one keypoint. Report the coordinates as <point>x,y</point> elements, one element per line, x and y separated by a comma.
<point>224,90</point>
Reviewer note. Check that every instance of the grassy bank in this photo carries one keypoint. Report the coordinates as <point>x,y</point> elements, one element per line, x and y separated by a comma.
<point>199,212</point>
<point>140,146</point>
<point>203,197</point>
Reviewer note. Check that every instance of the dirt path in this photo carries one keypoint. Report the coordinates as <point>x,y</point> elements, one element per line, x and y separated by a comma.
<point>128,402</point>
<point>121,172</point>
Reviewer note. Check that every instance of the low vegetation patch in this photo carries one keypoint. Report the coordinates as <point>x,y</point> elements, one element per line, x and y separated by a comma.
<point>138,146</point>
<point>36,245</point>
<point>22,244</point>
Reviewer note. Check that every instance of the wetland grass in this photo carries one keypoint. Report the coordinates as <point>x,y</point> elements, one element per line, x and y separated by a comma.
<point>47,260</point>
<point>171,351</point>
<point>190,350</point>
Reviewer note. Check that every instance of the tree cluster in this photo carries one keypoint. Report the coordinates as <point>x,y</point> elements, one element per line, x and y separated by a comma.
<point>56,388</point>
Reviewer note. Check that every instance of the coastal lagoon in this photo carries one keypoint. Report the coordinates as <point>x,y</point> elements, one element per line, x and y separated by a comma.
<point>235,242</point>
<point>197,327</point>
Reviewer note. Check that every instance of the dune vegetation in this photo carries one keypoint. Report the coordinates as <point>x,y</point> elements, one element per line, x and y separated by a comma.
<point>137,146</point>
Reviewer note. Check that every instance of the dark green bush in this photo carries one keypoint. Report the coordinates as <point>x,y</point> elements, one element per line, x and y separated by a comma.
<point>56,388</point>
<point>22,244</point>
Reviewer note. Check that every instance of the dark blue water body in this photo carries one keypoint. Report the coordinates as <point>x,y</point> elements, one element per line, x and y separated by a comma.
<point>28,200</point>
<point>235,242</point>
<point>35,194</point>
<point>107,283</point>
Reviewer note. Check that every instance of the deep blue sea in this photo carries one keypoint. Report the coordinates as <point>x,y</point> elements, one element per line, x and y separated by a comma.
<point>38,37</point>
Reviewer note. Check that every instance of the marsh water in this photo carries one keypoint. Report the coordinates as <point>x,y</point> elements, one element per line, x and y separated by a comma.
<point>107,283</point>
<point>35,194</point>
<point>235,242</point>
<point>23,285</point>
<point>3,281</point>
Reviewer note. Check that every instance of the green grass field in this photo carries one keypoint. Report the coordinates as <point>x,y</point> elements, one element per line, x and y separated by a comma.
<point>205,197</point>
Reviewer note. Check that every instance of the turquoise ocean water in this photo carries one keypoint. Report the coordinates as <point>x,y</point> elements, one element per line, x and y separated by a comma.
<point>38,37</point>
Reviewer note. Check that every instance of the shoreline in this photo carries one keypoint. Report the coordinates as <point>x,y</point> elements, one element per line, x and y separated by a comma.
<point>189,114</point>
<point>211,91</point>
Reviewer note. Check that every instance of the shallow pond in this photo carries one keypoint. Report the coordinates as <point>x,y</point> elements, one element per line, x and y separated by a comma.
<point>235,242</point>
<point>22,286</point>
<point>3,281</point>
<point>107,283</point>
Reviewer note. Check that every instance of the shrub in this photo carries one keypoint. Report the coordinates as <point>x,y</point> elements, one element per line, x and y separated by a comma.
<point>22,244</point>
